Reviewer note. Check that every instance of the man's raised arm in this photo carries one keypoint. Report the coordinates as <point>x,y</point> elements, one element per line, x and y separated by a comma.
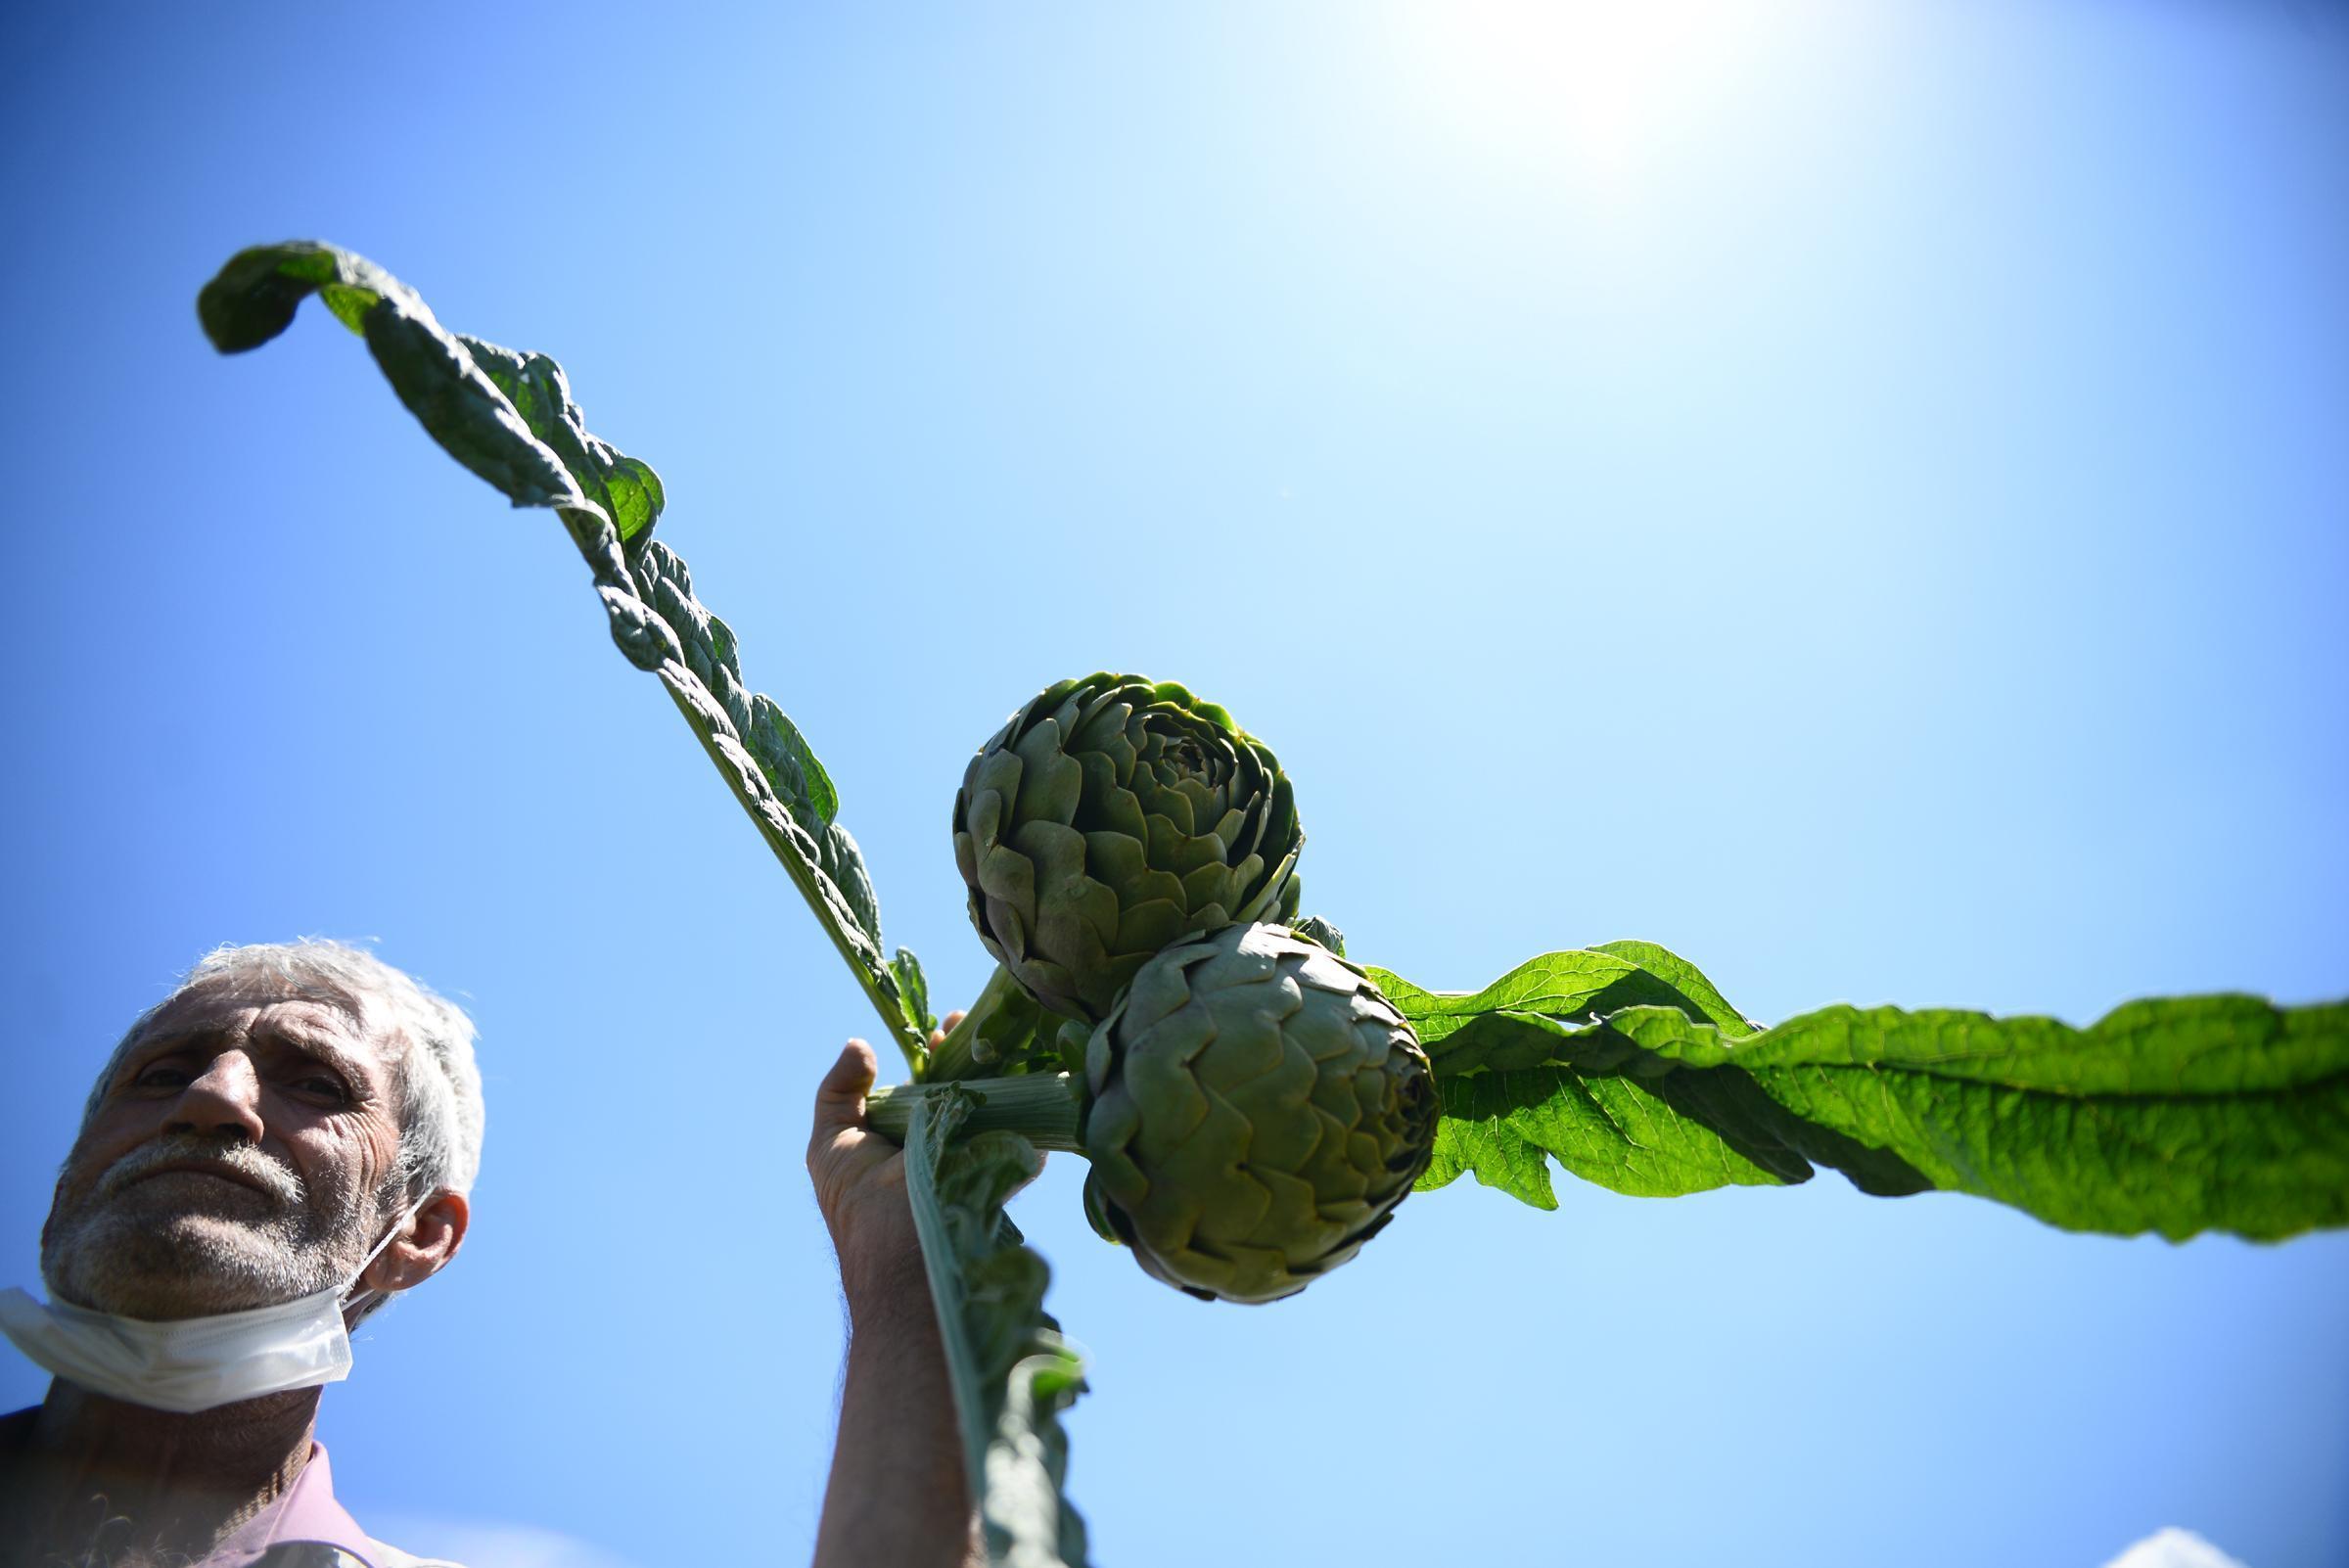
<point>897,1493</point>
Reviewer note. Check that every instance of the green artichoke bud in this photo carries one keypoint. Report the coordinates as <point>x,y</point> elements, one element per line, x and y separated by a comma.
<point>1111,818</point>
<point>1258,1110</point>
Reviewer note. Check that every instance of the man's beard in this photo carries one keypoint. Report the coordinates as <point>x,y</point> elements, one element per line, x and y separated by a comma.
<point>184,1245</point>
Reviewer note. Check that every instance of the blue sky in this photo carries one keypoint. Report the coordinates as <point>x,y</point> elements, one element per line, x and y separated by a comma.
<point>1852,493</point>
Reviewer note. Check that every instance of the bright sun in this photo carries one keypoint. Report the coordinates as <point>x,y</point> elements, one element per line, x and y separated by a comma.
<point>1597,88</point>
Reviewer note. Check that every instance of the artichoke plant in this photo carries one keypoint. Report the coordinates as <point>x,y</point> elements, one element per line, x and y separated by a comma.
<point>1111,818</point>
<point>1253,1106</point>
<point>1258,1110</point>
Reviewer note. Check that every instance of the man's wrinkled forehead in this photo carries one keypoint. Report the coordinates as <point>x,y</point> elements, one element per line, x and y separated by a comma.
<point>311,1015</point>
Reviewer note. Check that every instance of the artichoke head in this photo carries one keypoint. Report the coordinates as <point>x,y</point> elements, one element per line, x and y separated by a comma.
<point>1258,1110</point>
<point>1111,818</point>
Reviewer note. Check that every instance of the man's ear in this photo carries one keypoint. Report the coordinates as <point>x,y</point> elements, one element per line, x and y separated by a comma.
<point>422,1246</point>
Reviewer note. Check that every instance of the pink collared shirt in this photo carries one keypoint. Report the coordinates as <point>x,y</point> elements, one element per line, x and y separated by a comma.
<point>307,1511</point>
<point>307,1514</point>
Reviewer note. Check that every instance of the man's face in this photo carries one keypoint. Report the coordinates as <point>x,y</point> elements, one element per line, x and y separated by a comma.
<point>238,1158</point>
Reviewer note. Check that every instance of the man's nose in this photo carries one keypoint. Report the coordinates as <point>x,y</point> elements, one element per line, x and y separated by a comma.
<point>225,1098</point>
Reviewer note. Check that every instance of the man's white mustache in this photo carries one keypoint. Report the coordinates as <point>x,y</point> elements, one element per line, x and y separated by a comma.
<point>272,1177</point>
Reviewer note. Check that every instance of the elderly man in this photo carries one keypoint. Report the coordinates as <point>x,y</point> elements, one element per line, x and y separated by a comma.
<point>274,1151</point>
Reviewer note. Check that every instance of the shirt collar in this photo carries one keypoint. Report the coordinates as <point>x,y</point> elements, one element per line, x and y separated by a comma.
<point>307,1511</point>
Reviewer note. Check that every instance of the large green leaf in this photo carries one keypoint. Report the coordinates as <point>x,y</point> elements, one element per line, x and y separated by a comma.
<point>1509,1108</point>
<point>1011,1370</point>
<point>2175,1115</point>
<point>626,487</point>
<point>509,417</point>
<point>459,389</point>
<point>1576,983</point>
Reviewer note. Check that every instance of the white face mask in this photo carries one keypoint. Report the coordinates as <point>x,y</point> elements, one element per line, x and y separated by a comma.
<point>192,1364</point>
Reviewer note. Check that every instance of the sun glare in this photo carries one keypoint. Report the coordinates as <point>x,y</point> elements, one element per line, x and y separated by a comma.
<point>1598,89</point>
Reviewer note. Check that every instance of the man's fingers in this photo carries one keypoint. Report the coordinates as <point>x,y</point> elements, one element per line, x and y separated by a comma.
<point>840,1097</point>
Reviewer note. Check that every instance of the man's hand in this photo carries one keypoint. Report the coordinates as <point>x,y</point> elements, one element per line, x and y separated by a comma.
<point>859,1179</point>
<point>897,1493</point>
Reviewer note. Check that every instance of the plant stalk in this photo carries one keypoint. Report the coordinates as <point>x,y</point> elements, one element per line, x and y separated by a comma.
<point>955,1057</point>
<point>598,543</point>
<point>1047,1109</point>
<point>946,1289</point>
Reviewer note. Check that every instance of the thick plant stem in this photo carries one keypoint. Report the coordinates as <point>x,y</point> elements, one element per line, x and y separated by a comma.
<point>598,543</point>
<point>1046,1108</point>
<point>971,1045</point>
<point>946,1289</point>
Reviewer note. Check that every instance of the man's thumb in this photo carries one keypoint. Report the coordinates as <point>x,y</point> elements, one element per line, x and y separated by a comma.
<point>840,1097</point>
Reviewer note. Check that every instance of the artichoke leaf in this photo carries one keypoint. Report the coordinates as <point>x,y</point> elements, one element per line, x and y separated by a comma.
<point>913,993</point>
<point>462,391</point>
<point>509,417</point>
<point>2172,1116</point>
<point>1011,1371</point>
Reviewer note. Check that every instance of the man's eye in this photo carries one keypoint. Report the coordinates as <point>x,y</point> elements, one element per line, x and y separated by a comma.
<point>164,1078</point>
<point>322,1086</point>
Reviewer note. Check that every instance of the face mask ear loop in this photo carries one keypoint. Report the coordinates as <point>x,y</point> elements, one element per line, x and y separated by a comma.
<point>362,1299</point>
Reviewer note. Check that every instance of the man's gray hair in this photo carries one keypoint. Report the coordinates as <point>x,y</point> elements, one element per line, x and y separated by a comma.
<point>439,1087</point>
